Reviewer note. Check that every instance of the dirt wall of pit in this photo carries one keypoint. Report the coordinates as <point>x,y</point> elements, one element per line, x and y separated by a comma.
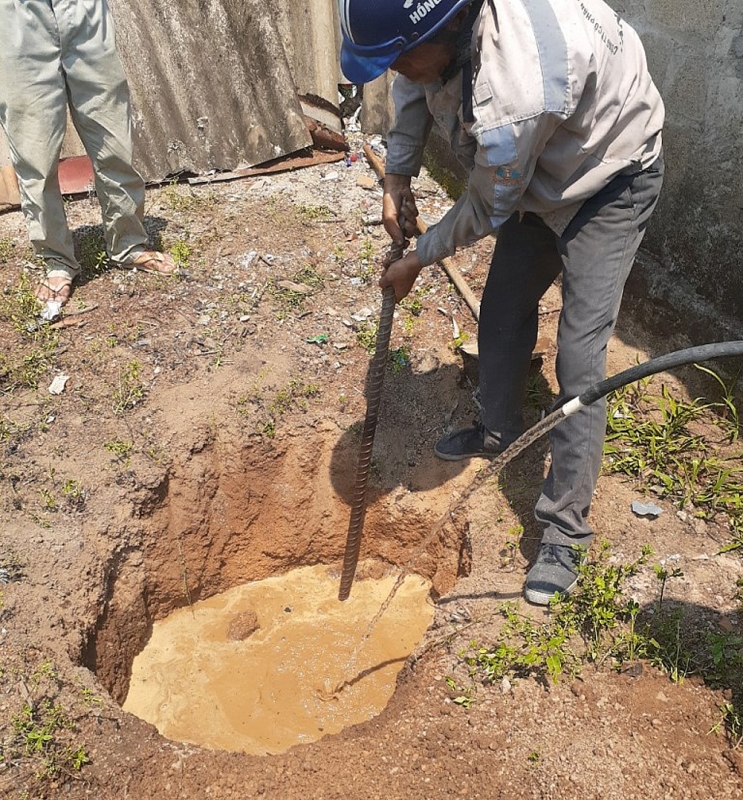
<point>227,512</point>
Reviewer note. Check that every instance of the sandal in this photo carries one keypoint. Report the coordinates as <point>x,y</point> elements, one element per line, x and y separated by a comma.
<point>152,261</point>
<point>56,287</point>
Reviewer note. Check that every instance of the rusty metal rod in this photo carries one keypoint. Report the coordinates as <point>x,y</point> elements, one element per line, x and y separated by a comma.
<point>374,381</point>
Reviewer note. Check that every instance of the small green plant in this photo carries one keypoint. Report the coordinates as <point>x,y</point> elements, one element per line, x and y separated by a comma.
<point>511,546</point>
<point>24,362</point>
<point>120,449</point>
<point>181,253</point>
<point>306,282</point>
<point>6,249</point>
<point>526,649</point>
<point>48,501</point>
<point>75,495</point>
<point>731,720</point>
<point>649,438</point>
<point>462,695</point>
<point>589,625</point>
<point>294,395</point>
<point>310,213</point>
<point>90,698</point>
<point>729,415</point>
<point>93,256</point>
<point>366,269</point>
<point>366,336</point>
<point>130,390</point>
<point>40,740</point>
<point>412,304</point>
<point>399,358</point>
<point>663,575</point>
<point>458,341</point>
<point>186,198</point>
<point>598,623</point>
<point>598,608</point>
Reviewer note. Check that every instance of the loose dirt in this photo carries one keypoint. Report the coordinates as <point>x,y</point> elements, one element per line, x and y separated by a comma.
<point>206,437</point>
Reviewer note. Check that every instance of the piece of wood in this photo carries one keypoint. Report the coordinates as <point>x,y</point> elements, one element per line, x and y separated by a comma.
<point>454,274</point>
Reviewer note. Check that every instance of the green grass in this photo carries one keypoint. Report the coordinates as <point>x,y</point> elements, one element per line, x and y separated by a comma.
<point>130,389</point>
<point>39,738</point>
<point>24,361</point>
<point>290,300</point>
<point>266,409</point>
<point>601,624</point>
<point>656,441</point>
<point>309,213</point>
<point>93,257</point>
<point>186,198</point>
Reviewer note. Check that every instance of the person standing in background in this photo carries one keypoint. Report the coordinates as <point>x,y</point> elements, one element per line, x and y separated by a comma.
<point>55,55</point>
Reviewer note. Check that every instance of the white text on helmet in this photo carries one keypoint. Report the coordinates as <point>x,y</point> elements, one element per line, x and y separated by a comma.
<point>422,10</point>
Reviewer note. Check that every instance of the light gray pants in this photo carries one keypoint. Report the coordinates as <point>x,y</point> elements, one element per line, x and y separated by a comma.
<point>55,52</point>
<point>594,255</point>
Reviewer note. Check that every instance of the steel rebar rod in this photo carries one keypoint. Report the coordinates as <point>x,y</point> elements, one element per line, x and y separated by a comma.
<point>374,381</point>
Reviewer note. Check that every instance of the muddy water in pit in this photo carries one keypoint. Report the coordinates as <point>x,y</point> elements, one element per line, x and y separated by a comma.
<point>200,680</point>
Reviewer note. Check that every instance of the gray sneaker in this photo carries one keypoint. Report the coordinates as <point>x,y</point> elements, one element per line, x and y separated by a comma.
<point>554,571</point>
<point>468,443</point>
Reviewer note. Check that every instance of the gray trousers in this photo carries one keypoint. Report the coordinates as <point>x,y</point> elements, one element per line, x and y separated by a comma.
<point>594,255</point>
<point>54,53</point>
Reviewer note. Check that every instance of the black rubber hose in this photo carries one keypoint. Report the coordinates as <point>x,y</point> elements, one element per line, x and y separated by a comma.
<point>678,358</point>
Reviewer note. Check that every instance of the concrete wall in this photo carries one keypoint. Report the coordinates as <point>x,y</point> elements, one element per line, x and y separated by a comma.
<point>695,53</point>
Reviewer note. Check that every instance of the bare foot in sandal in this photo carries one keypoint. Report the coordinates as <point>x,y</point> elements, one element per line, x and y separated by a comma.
<point>55,287</point>
<point>153,261</point>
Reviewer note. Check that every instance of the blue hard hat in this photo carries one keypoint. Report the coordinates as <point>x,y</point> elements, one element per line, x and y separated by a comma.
<point>377,32</point>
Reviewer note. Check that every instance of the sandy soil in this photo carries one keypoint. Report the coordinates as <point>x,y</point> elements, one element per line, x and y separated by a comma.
<point>207,435</point>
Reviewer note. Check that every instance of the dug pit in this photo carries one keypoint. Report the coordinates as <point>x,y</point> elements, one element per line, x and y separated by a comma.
<point>255,669</point>
<point>225,629</point>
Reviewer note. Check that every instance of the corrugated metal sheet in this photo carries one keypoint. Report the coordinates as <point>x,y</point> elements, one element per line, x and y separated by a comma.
<point>211,85</point>
<point>215,83</point>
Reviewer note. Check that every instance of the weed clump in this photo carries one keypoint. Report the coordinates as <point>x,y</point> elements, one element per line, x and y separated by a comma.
<point>26,359</point>
<point>39,745</point>
<point>603,625</point>
<point>651,438</point>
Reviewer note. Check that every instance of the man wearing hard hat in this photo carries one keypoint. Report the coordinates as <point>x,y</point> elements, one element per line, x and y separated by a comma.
<point>551,110</point>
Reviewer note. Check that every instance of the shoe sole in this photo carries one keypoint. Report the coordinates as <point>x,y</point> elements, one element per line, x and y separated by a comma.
<point>537,598</point>
<point>462,456</point>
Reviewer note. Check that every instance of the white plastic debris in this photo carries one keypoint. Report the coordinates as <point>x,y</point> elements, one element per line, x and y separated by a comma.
<point>646,509</point>
<point>52,309</point>
<point>247,259</point>
<point>58,384</point>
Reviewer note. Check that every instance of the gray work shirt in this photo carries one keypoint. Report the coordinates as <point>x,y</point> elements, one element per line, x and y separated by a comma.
<point>562,102</point>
